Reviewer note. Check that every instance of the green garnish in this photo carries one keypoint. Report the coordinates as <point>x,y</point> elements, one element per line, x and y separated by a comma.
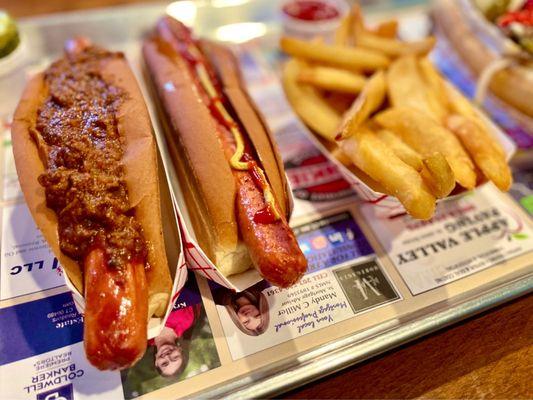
<point>9,35</point>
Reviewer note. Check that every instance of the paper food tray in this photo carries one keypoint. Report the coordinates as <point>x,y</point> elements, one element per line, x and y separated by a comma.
<point>386,206</point>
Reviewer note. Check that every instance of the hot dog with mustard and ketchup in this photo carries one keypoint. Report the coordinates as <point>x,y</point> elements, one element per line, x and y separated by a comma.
<point>230,169</point>
<point>87,164</point>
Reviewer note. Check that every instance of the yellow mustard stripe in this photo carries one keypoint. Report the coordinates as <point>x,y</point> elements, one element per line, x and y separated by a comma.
<point>269,196</point>
<point>235,160</point>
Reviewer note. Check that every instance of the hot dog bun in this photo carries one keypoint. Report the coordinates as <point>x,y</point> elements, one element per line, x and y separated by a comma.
<point>141,175</point>
<point>203,171</point>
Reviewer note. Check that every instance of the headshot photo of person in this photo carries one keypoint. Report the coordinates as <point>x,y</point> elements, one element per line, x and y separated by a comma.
<point>248,310</point>
<point>184,348</point>
<point>170,356</point>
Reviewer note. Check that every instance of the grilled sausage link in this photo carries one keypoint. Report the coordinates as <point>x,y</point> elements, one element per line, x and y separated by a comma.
<point>115,312</point>
<point>272,246</point>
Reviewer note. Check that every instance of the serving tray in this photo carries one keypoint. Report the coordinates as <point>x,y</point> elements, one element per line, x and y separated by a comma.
<point>373,283</point>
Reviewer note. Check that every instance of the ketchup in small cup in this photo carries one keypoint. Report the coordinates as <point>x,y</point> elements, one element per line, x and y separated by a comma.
<point>311,18</point>
<point>311,10</point>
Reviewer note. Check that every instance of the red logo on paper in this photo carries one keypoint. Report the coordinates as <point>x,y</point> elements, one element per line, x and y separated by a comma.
<point>313,177</point>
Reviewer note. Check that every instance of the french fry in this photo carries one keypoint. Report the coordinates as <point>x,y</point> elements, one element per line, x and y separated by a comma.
<point>401,149</point>
<point>353,58</point>
<point>343,32</point>
<point>460,105</point>
<point>438,175</point>
<point>377,160</point>
<point>340,156</point>
<point>358,21</point>
<point>337,80</point>
<point>393,47</point>
<point>387,29</point>
<point>483,149</point>
<point>368,101</point>
<point>426,136</point>
<point>405,87</point>
<point>454,100</point>
<point>371,183</point>
<point>312,108</point>
<point>434,81</point>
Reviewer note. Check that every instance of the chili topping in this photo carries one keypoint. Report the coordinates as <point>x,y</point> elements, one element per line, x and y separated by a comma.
<point>241,159</point>
<point>84,179</point>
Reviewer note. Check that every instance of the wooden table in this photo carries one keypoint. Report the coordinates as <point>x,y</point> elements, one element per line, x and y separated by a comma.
<point>487,356</point>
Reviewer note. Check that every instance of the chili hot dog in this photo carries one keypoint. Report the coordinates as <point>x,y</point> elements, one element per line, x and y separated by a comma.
<point>87,165</point>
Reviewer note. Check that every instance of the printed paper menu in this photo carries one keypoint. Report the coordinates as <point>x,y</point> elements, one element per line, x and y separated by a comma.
<point>41,344</point>
<point>466,235</point>
<point>10,188</point>
<point>343,280</point>
<point>51,363</point>
<point>28,265</point>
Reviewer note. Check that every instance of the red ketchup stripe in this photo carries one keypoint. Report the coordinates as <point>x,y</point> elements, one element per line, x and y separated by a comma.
<point>188,48</point>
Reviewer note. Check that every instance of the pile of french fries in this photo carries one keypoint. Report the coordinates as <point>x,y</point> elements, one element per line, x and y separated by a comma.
<point>382,109</point>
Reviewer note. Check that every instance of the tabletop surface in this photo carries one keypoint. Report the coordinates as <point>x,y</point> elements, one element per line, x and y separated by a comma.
<point>486,356</point>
